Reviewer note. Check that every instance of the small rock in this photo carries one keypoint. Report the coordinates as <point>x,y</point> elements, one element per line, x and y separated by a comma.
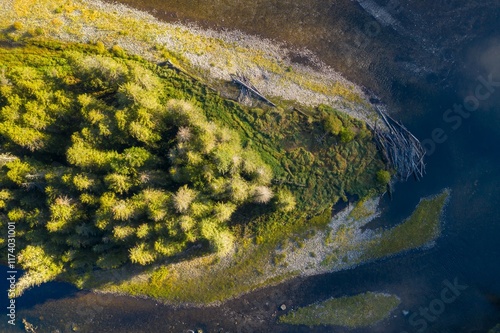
<point>405,312</point>
<point>283,307</point>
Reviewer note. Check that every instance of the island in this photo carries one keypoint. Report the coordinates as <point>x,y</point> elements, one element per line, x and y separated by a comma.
<point>158,160</point>
<point>350,311</point>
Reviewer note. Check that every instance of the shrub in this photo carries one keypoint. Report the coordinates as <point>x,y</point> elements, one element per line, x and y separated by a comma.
<point>221,240</point>
<point>332,124</point>
<point>39,31</point>
<point>224,242</point>
<point>347,134</point>
<point>17,26</point>
<point>98,72</point>
<point>100,47</point>
<point>285,200</point>
<point>118,51</point>
<point>383,177</point>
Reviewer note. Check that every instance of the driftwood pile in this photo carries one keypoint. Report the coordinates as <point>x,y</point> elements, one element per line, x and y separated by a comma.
<point>402,150</point>
<point>248,90</point>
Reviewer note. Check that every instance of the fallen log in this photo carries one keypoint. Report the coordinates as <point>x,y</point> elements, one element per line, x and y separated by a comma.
<point>244,83</point>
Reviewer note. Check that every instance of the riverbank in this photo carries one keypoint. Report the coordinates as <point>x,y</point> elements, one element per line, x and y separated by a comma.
<point>338,245</point>
<point>207,54</point>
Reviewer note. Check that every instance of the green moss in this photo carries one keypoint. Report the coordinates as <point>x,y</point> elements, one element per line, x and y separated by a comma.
<point>422,227</point>
<point>351,311</point>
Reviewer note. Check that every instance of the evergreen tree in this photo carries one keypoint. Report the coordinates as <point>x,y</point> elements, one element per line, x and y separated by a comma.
<point>142,254</point>
<point>262,194</point>
<point>183,198</point>
<point>224,211</point>
<point>39,266</point>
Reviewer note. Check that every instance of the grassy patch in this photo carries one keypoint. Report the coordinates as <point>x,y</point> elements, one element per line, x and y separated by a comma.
<point>203,281</point>
<point>422,227</point>
<point>352,311</point>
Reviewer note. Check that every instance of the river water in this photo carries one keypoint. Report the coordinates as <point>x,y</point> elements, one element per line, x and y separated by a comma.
<point>421,57</point>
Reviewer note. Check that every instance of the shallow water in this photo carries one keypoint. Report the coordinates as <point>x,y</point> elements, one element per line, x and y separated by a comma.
<point>421,67</point>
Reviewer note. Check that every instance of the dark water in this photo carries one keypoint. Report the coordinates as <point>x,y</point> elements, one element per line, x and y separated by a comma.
<point>422,65</point>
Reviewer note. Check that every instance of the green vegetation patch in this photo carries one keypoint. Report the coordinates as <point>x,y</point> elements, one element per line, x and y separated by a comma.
<point>422,227</point>
<point>108,160</point>
<point>352,311</point>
